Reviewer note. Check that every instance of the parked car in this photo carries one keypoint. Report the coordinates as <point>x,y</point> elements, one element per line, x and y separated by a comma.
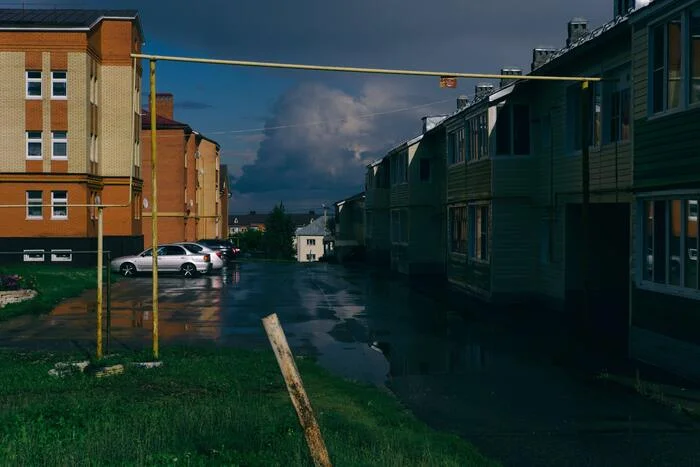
<point>227,248</point>
<point>217,260</point>
<point>171,258</point>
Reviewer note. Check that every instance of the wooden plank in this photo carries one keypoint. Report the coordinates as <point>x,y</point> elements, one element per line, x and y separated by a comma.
<point>296,390</point>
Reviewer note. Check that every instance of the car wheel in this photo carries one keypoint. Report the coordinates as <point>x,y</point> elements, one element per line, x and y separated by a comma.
<point>188,270</point>
<point>127,269</point>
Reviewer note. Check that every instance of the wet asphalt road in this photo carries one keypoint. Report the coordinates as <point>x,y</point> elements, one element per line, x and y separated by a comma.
<point>510,393</point>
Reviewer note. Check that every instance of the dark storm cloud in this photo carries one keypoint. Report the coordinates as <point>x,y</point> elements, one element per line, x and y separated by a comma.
<point>193,105</point>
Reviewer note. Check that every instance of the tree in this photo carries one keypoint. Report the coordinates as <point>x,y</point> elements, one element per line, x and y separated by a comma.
<point>279,234</point>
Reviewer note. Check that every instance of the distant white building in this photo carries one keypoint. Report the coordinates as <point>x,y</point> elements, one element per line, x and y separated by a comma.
<point>309,241</point>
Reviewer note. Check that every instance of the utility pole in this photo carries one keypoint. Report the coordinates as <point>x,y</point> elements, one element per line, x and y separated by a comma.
<point>585,202</point>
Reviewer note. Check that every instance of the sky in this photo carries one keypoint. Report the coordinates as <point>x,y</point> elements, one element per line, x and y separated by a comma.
<point>304,138</point>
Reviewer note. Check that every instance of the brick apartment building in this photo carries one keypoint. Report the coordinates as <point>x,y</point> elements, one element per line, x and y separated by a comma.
<point>70,95</point>
<point>189,179</point>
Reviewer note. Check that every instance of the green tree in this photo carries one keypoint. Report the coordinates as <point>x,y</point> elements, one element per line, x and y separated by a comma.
<point>279,234</point>
<point>248,241</point>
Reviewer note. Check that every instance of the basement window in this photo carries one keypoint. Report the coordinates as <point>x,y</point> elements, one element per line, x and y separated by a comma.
<point>61,256</point>
<point>33,256</point>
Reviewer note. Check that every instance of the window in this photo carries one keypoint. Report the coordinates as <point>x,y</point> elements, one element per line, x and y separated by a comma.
<point>33,79</point>
<point>399,226</point>
<point>458,229</point>
<point>675,53</point>
<point>59,205</point>
<point>311,241</point>
<point>617,108</point>
<point>513,129</point>
<point>172,250</point>
<point>59,145</point>
<point>34,256</point>
<point>34,202</point>
<point>34,145</point>
<point>478,137</point>
<point>670,243</point>
<point>425,170</point>
<point>61,256</point>
<point>573,109</point>
<point>479,232</point>
<point>59,85</point>
<point>311,257</point>
<point>694,56</point>
<point>456,146</point>
<point>399,168</point>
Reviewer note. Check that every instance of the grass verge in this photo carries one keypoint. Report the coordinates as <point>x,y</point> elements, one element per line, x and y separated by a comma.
<point>205,407</point>
<point>53,284</point>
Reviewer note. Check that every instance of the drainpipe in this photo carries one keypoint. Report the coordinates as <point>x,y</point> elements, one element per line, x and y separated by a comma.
<point>585,203</point>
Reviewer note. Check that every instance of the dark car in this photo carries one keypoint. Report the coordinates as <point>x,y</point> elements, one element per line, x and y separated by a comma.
<point>226,247</point>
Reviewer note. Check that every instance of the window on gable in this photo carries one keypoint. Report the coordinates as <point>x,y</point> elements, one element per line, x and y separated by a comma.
<point>513,129</point>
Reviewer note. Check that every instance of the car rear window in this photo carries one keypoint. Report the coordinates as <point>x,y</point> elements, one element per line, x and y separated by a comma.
<point>194,248</point>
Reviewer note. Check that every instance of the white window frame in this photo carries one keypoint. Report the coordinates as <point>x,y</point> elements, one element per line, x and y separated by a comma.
<point>55,202</point>
<point>55,140</point>
<point>30,140</point>
<point>641,255</point>
<point>55,258</point>
<point>29,256</point>
<point>33,80</point>
<point>472,236</point>
<point>55,80</point>
<point>34,201</point>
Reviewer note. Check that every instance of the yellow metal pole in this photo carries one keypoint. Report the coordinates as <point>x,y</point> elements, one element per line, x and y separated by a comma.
<point>154,206</point>
<point>345,69</point>
<point>99,282</point>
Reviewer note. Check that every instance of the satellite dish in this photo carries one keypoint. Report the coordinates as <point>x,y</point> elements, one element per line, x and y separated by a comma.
<point>145,203</point>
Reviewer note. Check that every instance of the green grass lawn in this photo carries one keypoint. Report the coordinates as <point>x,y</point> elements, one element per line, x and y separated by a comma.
<point>205,407</point>
<point>54,284</point>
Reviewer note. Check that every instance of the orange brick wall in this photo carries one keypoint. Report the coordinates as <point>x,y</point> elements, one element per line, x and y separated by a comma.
<point>15,223</point>
<point>171,185</point>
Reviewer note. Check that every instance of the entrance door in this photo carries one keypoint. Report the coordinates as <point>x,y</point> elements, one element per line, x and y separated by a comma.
<point>609,273</point>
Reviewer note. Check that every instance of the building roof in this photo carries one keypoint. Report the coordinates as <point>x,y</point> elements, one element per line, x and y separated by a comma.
<point>317,228</point>
<point>351,198</point>
<point>162,123</point>
<point>61,19</point>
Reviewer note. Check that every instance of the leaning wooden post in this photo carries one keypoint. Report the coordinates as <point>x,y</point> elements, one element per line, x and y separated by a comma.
<point>296,390</point>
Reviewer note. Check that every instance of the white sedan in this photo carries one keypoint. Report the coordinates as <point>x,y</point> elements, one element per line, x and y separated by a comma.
<point>171,258</point>
<point>217,261</point>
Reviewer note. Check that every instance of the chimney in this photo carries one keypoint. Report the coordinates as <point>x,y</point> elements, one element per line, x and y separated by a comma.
<point>164,105</point>
<point>540,55</point>
<point>482,90</point>
<point>510,72</point>
<point>252,213</point>
<point>462,102</point>
<point>430,122</point>
<point>578,27</point>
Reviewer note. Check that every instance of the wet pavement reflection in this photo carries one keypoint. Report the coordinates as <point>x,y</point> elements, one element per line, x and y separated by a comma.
<point>510,393</point>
